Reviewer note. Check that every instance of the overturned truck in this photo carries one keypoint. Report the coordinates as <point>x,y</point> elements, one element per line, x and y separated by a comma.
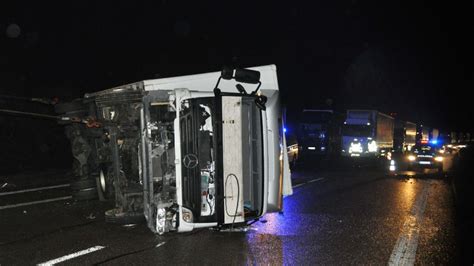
<point>184,152</point>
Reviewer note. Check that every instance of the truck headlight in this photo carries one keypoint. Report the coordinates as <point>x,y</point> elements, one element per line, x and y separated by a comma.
<point>187,215</point>
<point>438,158</point>
<point>372,146</point>
<point>161,221</point>
<point>411,158</point>
<point>355,147</point>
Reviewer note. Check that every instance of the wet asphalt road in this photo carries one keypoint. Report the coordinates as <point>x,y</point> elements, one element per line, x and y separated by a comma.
<point>353,215</point>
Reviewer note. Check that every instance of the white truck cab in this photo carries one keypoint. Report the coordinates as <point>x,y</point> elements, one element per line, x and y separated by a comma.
<point>209,155</point>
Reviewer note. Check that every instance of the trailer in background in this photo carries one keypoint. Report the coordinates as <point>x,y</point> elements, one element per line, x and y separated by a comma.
<point>422,134</point>
<point>367,133</point>
<point>404,136</point>
<point>434,136</point>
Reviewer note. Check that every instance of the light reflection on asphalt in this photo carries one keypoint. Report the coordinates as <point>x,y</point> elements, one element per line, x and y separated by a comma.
<point>279,240</point>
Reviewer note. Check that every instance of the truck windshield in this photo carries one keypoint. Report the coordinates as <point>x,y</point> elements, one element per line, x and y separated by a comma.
<point>357,130</point>
<point>313,117</point>
<point>313,130</point>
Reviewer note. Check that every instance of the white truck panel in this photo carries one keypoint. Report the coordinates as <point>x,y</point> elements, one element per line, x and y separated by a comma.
<point>232,161</point>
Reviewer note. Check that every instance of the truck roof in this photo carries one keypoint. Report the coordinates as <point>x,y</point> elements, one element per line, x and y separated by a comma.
<point>200,82</point>
<point>366,110</point>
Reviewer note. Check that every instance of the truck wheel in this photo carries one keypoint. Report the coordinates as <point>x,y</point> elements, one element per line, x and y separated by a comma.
<point>85,194</point>
<point>84,189</point>
<point>104,187</point>
<point>115,216</point>
<point>83,184</point>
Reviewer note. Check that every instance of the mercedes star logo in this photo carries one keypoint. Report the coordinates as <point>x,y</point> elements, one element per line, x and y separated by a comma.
<point>190,161</point>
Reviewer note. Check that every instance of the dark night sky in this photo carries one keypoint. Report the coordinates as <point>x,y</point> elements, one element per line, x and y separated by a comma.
<point>410,58</point>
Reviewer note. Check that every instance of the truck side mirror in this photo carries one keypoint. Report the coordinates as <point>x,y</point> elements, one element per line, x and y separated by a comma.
<point>241,75</point>
<point>227,73</point>
<point>247,76</point>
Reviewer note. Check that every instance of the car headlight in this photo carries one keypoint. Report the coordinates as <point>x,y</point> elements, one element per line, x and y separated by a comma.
<point>187,215</point>
<point>438,158</point>
<point>411,158</point>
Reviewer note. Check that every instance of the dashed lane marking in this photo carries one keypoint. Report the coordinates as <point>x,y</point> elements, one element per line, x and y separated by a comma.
<point>310,181</point>
<point>71,256</point>
<point>160,244</point>
<point>33,189</point>
<point>299,185</point>
<point>314,180</point>
<point>404,252</point>
<point>34,202</point>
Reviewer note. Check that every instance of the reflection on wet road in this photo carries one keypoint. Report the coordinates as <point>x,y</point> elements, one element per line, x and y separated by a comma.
<point>376,221</point>
<point>350,216</point>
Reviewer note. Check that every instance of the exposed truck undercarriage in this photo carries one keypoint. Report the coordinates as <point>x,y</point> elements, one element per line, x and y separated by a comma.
<point>177,157</point>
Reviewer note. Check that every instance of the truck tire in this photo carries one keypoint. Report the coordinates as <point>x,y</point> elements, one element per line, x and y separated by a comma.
<point>85,194</point>
<point>113,216</point>
<point>83,184</point>
<point>84,189</point>
<point>105,188</point>
<point>62,108</point>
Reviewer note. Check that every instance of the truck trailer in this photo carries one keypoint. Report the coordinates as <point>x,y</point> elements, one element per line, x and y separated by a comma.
<point>367,133</point>
<point>422,134</point>
<point>404,136</point>
<point>434,136</point>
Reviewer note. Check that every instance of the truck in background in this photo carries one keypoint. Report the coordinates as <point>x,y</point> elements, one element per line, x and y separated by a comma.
<point>422,134</point>
<point>434,136</point>
<point>404,136</point>
<point>318,133</point>
<point>367,133</point>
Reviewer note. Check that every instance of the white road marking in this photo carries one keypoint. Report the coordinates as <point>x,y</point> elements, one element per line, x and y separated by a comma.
<point>33,189</point>
<point>404,252</point>
<point>310,181</point>
<point>71,256</point>
<point>160,244</point>
<point>33,202</point>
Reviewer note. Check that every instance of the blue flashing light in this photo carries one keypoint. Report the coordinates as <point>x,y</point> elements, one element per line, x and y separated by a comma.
<point>434,142</point>
<point>284,129</point>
